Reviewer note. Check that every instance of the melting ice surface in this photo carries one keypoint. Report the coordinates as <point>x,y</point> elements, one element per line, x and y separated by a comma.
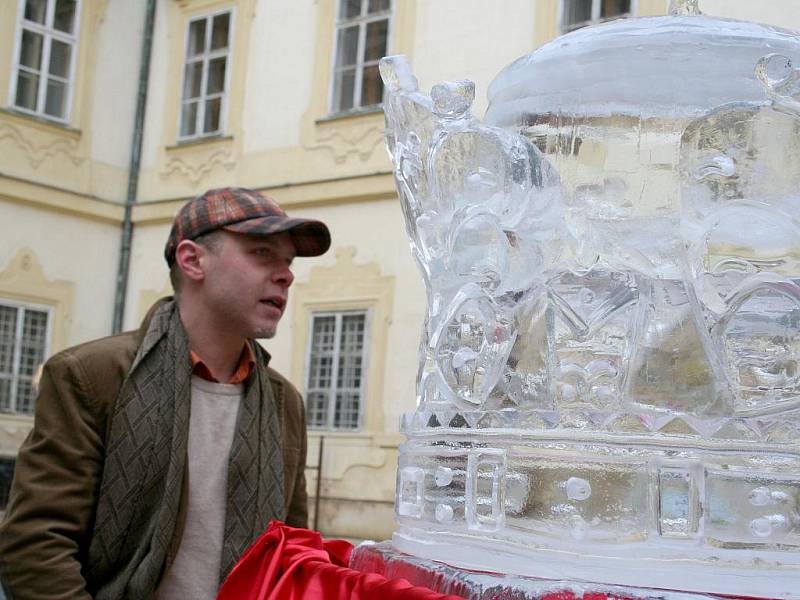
<point>609,381</point>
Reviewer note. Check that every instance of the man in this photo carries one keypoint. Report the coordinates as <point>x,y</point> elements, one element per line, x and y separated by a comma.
<point>158,456</point>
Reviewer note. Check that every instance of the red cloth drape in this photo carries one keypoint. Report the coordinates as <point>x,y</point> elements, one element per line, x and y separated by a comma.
<point>287,563</point>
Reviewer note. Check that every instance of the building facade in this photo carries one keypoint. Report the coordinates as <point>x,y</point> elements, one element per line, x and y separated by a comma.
<point>283,97</point>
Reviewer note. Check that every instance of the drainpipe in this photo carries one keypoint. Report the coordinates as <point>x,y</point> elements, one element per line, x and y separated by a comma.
<point>133,169</point>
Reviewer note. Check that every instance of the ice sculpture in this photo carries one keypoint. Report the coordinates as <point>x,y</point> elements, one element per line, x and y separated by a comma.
<point>609,382</point>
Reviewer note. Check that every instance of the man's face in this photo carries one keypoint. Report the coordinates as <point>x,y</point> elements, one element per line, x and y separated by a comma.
<point>246,281</point>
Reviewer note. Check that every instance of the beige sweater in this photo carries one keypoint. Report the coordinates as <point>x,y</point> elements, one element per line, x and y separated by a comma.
<point>195,571</point>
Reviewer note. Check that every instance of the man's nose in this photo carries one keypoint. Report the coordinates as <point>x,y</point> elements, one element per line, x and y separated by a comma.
<point>283,275</point>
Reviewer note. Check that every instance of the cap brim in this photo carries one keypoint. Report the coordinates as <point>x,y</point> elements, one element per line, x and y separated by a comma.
<point>310,237</point>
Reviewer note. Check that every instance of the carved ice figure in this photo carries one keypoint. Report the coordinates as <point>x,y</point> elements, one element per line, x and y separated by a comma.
<point>610,362</point>
<point>741,203</point>
<point>480,206</point>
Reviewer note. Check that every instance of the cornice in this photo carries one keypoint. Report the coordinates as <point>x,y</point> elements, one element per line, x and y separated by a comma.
<point>300,195</point>
<point>53,198</point>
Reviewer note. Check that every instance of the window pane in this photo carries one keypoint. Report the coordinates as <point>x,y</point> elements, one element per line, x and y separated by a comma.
<point>31,357</point>
<point>197,37</point>
<point>336,370</point>
<point>343,90</point>
<point>192,80</point>
<point>211,117</point>
<point>352,333</point>
<point>612,8</point>
<point>8,328</point>
<point>376,6</point>
<point>6,477</point>
<point>349,9</point>
<point>577,11</point>
<point>34,341</point>
<point>27,90</point>
<point>317,409</point>
<point>320,374</point>
<point>24,398</point>
<point>347,408</point>
<point>5,395</point>
<point>65,15</point>
<point>349,376</point>
<point>216,75</point>
<point>30,54</point>
<point>371,86</point>
<point>376,40</point>
<point>56,99</point>
<point>36,11</point>
<point>188,119</point>
<point>59,58</point>
<point>347,48</point>
<point>323,334</point>
<point>219,32</point>
<point>351,348</point>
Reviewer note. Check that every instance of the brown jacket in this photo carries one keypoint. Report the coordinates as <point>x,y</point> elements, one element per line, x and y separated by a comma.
<point>50,516</point>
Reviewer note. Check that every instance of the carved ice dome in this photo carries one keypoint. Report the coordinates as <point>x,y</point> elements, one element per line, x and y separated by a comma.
<point>677,65</point>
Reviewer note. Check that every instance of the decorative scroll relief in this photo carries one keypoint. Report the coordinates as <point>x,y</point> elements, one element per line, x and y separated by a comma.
<point>38,147</point>
<point>344,141</point>
<point>197,167</point>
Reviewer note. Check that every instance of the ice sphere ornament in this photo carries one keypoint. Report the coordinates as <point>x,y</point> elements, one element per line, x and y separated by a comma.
<point>609,380</point>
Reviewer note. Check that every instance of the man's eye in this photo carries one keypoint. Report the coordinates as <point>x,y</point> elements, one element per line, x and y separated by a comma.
<point>263,251</point>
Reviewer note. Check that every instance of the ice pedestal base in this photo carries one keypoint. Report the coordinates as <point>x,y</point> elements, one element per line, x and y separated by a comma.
<point>383,559</point>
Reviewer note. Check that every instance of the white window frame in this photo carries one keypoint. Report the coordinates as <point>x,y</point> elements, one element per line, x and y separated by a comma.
<point>595,18</point>
<point>16,359</point>
<point>362,21</point>
<point>48,34</point>
<point>339,315</point>
<point>206,58</point>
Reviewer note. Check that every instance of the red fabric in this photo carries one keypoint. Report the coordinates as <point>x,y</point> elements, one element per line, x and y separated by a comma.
<point>287,563</point>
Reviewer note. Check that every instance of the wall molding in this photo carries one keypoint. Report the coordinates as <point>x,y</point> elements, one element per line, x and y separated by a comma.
<point>344,141</point>
<point>48,197</point>
<point>38,152</point>
<point>347,285</point>
<point>198,166</point>
<point>24,280</point>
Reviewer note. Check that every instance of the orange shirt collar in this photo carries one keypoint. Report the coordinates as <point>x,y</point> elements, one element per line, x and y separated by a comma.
<point>246,366</point>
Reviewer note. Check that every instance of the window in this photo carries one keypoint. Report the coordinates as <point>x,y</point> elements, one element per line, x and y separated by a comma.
<point>335,385</point>
<point>580,13</point>
<point>24,341</point>
<point>43,72</point>
<point>205,75</point>
<point>362,33</point>
<point>6,476</point>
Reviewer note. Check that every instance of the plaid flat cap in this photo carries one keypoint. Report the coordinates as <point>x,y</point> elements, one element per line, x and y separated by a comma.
<point>244,211</point>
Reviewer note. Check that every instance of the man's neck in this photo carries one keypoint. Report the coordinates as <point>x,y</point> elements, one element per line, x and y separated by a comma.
<point>213,342</point>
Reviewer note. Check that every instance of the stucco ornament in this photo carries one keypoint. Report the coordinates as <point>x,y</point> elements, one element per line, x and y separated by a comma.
<point>609,370</point>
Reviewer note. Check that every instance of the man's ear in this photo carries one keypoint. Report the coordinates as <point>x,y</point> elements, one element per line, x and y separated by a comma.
<point>188,256</point>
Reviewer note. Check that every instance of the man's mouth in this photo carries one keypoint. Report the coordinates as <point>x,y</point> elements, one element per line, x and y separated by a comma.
<point>278,303</point>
